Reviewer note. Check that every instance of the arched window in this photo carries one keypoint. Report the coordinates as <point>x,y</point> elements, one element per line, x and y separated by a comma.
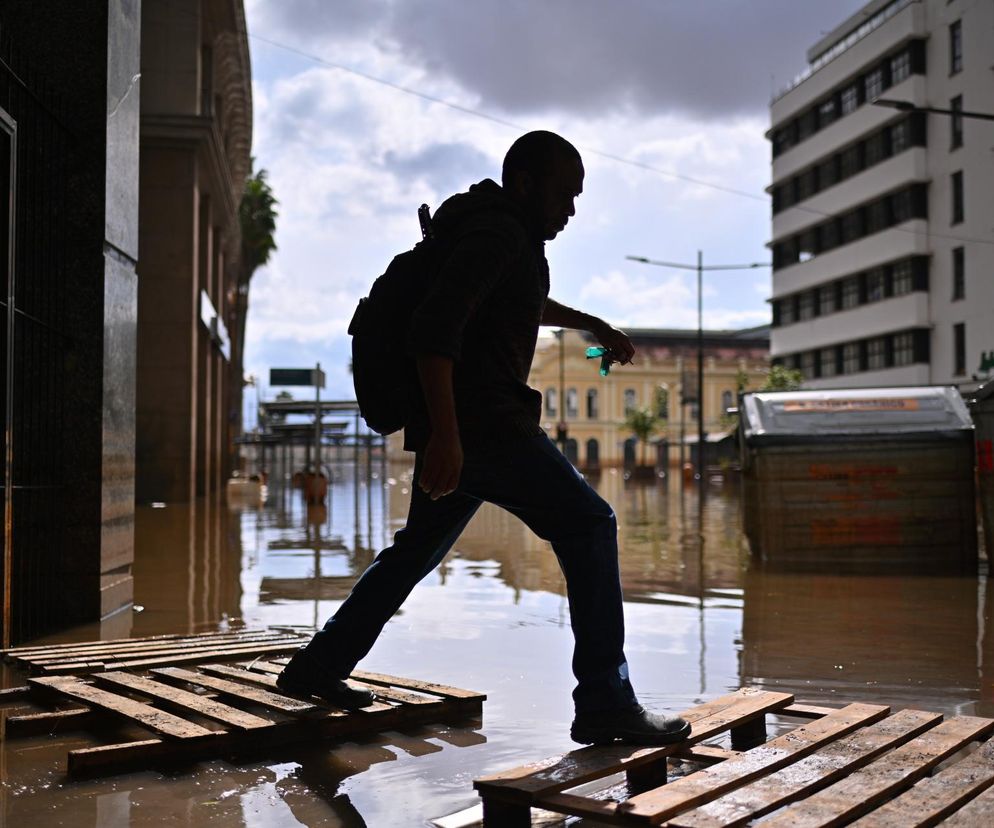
<point>592,412</point>
<point>572,403</point>
<point>726,401</point>
<point>551,402</point>
<point>663,403</point>
<point>593,453</point>
<point>629,401</point>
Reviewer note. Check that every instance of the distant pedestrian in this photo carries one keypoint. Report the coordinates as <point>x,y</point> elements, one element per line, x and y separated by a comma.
<point>477,438</point>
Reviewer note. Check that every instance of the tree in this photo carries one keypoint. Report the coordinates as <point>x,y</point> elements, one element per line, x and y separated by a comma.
<point>782,378</point>
<point>643,423</point>
<point>257,220</point>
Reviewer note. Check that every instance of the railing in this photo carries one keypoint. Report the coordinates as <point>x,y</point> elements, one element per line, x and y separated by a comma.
<point>875,22</point>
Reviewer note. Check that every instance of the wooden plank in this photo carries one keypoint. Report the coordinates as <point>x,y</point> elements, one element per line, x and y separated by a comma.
<point>234,689</point>
<point>807,711</point>
<point>157,721</point>
<point>382,690</point>
<point>151,638</point>
<point>976,814</point>
<point>185,700</point>
<point>657,805</point>
<point>865,789</point>
<point>936,797</point>
<point>9,694</point>
<point>809,773</point>
<point>528,783</point>
<point>442,690</point>
<point>96,650</point>
<point>200,655</point>
<point>705,754</point>
<point>49,721</point>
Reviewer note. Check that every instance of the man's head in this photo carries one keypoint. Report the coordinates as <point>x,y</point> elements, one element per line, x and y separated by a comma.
<point>543,173</point>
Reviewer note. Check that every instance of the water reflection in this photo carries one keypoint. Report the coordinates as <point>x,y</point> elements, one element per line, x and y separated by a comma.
<point>701,620</point>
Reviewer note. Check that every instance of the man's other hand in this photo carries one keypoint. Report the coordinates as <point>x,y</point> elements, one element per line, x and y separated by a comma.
<point>442,465</point>
<point>617,342</point>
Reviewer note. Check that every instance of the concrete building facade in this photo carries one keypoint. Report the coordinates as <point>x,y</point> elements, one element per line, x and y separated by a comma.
<point>882,240</point>
<point>196,133</point>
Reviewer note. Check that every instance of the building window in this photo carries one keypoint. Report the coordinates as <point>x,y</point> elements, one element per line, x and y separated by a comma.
<point>592,407</point>
<point>551,402</point>
<point>900,206</point>
<point>955,47</point>
<point>959,273</point>
<point>900,137</point>
<point>828,173</point>
<point>852,226</point>
<point>663,403</point>
<point>726,402</point>
<point>850,292</point>
<point>593,453</point>
<point>806,305</point>
<point>959,348</point>
<point>629,401</point>
<point>787,311</point>
<point>957,192</point>
<point>851,161</point>
<point>829,362</point>
<point>902,278</point>
<point>900,67</point>
<point>572,403</point>
<point>849,99</point>
<point>808,365</point>
<point>827,113</point>
<point>956,123</point>
<point>826,299</point>
<point>904,349</point>
<point>876,283</point>
<point>873,84</point>
<point>876,354</point>
<point>829,234</point>
<point>850,358</point>
<point>876,148</point>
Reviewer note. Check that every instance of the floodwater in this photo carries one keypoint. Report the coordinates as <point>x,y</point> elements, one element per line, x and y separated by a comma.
<point>702,619</point>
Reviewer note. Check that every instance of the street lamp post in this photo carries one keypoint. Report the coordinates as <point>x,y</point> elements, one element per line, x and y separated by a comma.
<point>700,268</point>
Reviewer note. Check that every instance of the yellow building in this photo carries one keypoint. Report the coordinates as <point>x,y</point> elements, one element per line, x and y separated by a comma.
<point>664,372</point>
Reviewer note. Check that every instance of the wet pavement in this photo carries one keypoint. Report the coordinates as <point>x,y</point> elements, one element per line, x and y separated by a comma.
<point>702,619</point>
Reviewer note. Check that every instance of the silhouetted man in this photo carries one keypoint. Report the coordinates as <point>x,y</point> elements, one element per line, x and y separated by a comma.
<point>477,438</point>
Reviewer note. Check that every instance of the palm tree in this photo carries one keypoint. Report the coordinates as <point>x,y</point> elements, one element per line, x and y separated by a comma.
<point>643,423</point>
<point>257,218</point>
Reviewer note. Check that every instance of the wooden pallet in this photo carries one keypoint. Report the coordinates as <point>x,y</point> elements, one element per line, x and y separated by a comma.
<point>154,651</point>
<point>856,765</point>
<point>213,710</point>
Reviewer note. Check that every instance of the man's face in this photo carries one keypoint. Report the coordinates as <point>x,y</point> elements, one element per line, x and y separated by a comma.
<point>555,194</point>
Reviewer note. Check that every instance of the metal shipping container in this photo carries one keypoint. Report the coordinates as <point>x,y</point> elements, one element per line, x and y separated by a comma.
<point>869,478</point>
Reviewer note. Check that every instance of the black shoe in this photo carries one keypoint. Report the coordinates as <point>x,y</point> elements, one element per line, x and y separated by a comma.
<point>634,725</point>
<point>304,676</point>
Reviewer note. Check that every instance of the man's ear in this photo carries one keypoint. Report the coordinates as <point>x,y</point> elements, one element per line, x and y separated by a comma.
<point>522,184</point>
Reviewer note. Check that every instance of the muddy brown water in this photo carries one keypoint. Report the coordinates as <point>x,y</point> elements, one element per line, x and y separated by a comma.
<point>702,619</point>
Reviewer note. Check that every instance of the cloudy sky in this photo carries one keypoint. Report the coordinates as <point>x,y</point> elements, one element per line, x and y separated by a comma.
<point>364,109</point>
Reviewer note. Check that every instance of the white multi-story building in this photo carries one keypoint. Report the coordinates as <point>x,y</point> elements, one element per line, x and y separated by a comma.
<point>883,219</point>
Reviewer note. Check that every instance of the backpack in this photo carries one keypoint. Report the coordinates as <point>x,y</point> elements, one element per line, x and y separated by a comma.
<point>383,373</point>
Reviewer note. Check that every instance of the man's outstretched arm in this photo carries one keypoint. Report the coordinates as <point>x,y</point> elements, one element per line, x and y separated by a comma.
<point>563,316</point>
<point>443,456</point>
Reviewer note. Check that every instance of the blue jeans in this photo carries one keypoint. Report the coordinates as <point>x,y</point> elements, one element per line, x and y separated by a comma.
<point>532,480</point>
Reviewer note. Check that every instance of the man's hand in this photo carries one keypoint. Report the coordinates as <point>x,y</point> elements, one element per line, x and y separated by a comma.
<point>617,342</point>
<point>442,465</point>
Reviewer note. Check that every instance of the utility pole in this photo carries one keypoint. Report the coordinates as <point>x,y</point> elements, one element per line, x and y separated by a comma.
<point>700,268</point>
